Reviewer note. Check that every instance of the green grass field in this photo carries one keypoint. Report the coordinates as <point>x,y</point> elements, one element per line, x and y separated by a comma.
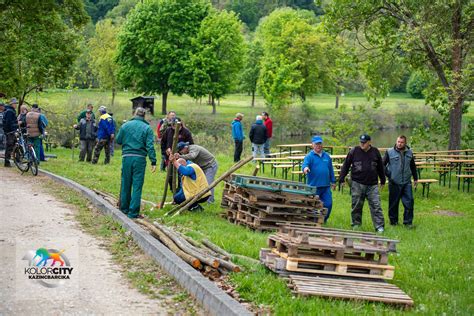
<point>434,263</point>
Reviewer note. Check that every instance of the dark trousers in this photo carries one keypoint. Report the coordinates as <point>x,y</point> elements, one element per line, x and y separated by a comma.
<point>359,193</point>
<point>9,148</point>
<point>102,143</point>
<point>399,192</point>
<point>238,149</point>
<point>180,198</point>
<point>87,147</point>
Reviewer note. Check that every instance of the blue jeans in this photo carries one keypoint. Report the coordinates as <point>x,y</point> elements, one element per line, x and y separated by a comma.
<point>325,195</point>
<point>180,198</point>
<point>210,174</point>
<point>257,151</point>
<point>266,147</point>
<point>399,192</point>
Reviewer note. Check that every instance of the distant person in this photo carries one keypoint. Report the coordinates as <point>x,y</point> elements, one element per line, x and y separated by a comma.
<point>45,123</point>
<point>184,135</point>
<point>2,134</point>
<point>167,121</point>
<point>137,140</point>
<point>105,133</point>
<point>87,136</point>
<point>203,158</point>
<point>82,115</point>
<point>267,121</point>
<point>238,136</point>
<point>366,165</point>
<point>22,118</point>
<point>258,137</point>
<point>35,126</point>
<point>10,126</point>
<point>112,141</point>
<point>193,181</point>
<point>400,166</point>
<point>319,171</point>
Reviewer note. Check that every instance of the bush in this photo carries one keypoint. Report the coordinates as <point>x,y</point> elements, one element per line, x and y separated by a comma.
<point>417,84</point>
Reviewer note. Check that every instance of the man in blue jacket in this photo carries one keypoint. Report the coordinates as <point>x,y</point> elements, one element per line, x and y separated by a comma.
<point>105,134</point>
<point>10,125</point>
<point>319,171</point>
<point>238,136</point>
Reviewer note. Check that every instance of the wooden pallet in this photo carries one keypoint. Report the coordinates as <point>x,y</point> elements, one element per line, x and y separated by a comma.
<point>347,267</point>
<point>273,185</point>
<point>349,289</point>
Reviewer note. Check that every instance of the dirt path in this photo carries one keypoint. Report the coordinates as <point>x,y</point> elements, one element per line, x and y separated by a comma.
<point>31,219</point>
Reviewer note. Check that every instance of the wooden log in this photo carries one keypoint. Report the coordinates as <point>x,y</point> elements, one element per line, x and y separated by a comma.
<point>169,169</point>
<point>188,248</point>
<point>215,247</point>
<point>183,206</point>
<point>196,263</point>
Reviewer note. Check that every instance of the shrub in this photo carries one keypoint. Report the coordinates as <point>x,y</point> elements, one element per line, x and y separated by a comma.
<point>417,84</point>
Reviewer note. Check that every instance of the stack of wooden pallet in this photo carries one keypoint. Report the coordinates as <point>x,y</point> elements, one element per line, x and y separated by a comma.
<point>264,204</point>
<point>307,256</point>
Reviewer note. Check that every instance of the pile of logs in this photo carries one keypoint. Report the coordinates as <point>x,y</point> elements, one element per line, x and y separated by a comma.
<point>207,257</point>
<point>334,263</point>
<point>264,204</point>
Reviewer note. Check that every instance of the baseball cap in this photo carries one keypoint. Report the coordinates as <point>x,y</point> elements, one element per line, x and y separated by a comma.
<point>364,138</point>
<point>317,139</point>
<point>182,145</point>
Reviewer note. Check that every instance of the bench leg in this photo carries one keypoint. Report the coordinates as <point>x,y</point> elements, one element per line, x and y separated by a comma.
<point>424,184</point>
<point>428,193</point>
<point>459,184</point>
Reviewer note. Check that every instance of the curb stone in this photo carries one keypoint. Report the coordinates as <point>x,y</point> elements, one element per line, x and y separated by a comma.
<point>212,298</point>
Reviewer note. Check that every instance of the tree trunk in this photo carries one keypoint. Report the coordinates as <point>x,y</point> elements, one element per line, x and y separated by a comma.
<point>164,100</point>
<point>113,97</point>
<point>455,124</point>
<point>337,99</point>
<point>253,98</point>
<point>213,102</point>
<point>303,96</point>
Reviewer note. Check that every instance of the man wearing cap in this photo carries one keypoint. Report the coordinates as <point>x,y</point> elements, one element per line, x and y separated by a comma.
<point>105,134</point>
<point>267,121</point>
<point>184,135</point>
<point>258,137</point>
<point>10,125</point>
<point>87,135</point>
<point>238,136</point>
<point>365,163</point>
<point>193,180</point>
<point>203,158</point>
<point>319,171</point>
<point>82,115</point>
<point>400,166</point>
<point>35,126</point>
<point>137,140</point>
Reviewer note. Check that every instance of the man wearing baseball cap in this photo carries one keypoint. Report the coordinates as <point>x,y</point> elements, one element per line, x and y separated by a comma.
<point>319,171</point>
<point>366,165</point>
<point>105,134</point>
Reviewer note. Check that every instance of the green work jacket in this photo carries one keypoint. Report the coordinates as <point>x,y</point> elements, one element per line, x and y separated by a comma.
<point>137,139</point>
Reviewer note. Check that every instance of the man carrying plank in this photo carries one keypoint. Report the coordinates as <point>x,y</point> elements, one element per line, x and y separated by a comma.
<point>136,137</point>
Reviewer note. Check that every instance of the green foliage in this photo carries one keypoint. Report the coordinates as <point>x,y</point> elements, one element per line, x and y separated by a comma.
<point>155,43</point>
<point>217,56</point>
<point>39,43</point>
<point>120,11</point>
<point>435,135</point>
<point>346,126</point>
<point>416,85</point>
<point>251,70</point>
<point>97,9</point>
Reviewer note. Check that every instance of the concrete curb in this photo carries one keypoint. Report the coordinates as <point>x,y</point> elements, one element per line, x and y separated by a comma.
<point>213,299</point>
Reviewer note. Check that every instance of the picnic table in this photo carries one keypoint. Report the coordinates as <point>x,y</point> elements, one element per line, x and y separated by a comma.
<point>307,146</point>
<point>458,164</point>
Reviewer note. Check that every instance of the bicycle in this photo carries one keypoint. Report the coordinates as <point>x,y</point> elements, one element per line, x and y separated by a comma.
<point>24,155</point>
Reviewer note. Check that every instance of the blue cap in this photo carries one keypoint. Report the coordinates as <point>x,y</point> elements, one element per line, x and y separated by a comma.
<point>181,145</point>
<point>317,139</point>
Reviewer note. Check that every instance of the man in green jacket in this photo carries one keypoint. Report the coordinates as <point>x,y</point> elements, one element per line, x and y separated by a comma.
<point>136,137</point>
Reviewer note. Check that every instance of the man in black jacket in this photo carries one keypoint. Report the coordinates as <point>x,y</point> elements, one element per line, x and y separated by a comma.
<point>87,134</point>
<point>10,125</point>
<point>258,137</point>
<point>366,167</point>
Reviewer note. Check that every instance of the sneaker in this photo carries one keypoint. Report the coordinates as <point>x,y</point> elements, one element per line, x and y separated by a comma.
<point>197,208</point>
<point>380,230</point>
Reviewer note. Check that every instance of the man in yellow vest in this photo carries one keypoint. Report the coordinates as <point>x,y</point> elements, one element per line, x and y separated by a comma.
<point>193,181</point>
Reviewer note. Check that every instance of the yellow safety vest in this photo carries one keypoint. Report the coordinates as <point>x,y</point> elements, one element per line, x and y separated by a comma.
<point>192,187</point>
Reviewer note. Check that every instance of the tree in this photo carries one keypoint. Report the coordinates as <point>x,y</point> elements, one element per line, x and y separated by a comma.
<point>103,55</point>
<point>251,71</point>
<point>217,56</point>
<point>155,43</point>
<point>39,43</point>
<point>434,35</point>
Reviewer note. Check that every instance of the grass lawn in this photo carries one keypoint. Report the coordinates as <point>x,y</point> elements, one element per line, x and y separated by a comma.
<point>434,263</point>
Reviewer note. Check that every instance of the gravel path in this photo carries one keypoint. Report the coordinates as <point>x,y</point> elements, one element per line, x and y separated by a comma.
<point>30,219</point>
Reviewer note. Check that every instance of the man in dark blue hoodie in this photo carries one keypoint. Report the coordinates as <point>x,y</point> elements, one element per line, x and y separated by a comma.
<point>258,137</point>
<point>238,136</point>
<point>105,134</point>
<point>10,125</point>
<point>319,171</point>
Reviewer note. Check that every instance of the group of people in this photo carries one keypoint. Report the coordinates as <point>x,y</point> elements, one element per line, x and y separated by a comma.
<point>367,167</point>
<point>94,136</point>
<point>260,135</point>
<point>196,166</point>
<point>30,121</point>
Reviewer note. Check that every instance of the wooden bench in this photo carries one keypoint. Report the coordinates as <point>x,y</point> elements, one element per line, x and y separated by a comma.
<point>426,183</point>
<point>466,178</point>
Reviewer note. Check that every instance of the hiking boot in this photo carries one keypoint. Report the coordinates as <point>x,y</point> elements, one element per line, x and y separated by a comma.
<point>197,208</point>
<point>380,230</point>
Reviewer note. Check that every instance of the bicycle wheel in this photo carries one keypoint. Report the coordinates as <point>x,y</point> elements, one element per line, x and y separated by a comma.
<point>19,158</point>
<point>33,161</point>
